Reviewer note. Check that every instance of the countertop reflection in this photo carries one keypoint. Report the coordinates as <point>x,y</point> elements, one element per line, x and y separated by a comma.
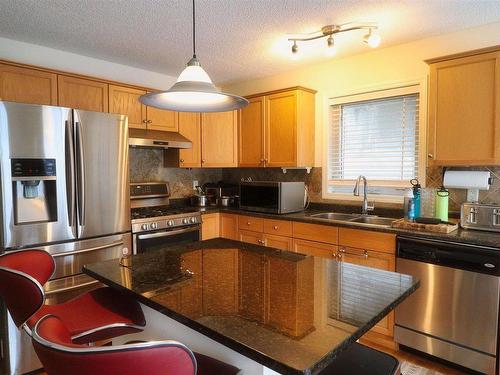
<point>287,311</point>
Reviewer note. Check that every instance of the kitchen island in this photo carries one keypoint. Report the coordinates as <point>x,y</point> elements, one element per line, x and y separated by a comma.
<point>288,312</point>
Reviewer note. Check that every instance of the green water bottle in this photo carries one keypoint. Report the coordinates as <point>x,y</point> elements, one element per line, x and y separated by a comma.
<point>441,211</point>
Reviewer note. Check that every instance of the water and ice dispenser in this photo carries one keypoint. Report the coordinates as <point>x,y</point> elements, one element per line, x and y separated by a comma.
<point>34,190</point>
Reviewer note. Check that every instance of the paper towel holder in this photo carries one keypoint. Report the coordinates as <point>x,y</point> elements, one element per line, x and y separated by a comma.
<point>473,181</point>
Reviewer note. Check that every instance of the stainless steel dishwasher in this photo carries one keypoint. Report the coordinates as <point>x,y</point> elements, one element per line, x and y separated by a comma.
<point>454,313</point>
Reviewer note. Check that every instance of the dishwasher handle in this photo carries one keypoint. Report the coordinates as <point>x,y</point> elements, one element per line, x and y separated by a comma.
<point>460,256</point>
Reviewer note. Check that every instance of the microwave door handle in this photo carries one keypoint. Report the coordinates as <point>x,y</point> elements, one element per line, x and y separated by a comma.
<point>80,165</point>
<point>70,173</point>
<point>166,233</point>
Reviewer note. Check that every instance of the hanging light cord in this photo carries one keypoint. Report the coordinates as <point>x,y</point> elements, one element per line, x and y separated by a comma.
<point>194,33</point>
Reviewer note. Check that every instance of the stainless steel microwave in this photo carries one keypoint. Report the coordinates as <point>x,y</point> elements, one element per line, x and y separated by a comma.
<point>272,197</point>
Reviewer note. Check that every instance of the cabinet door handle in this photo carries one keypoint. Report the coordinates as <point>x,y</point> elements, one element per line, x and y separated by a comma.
<point>365,254</point>
<point>144,121</point>
<point>202,160</point>
<point>430,156</point>
<point>150,121</point>
<point>182,160</point>
<point>249,223</point>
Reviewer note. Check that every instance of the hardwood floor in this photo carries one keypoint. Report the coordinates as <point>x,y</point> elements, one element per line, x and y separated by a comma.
<point>419,361</point>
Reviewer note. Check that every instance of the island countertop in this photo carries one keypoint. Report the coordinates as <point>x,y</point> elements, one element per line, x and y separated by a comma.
<point>291,313</point>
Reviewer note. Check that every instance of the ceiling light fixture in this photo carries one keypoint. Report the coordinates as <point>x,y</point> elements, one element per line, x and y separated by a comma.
<point>194,90</point>
<point>372,38</point>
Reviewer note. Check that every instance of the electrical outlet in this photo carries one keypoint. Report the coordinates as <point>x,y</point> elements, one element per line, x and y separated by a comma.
<point>195,184</point>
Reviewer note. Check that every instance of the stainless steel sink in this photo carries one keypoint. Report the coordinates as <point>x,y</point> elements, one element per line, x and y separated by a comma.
<point>336,216</point>
<point>356,218</point>
<point>373,220</point>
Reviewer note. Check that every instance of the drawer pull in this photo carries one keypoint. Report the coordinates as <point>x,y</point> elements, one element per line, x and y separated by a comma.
<point>365,254</point>
<point>249,223</point>
<point>275,227</point>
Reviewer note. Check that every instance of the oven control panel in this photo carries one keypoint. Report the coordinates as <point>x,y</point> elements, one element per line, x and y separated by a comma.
<point>150,224</point>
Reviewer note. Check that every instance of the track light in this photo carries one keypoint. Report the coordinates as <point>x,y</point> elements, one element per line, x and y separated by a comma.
<point>330,42</point>
<point>372,39</point>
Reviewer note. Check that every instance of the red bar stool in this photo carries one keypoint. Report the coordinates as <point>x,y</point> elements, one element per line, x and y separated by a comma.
<point>97,315</point>
<point>60,356</point>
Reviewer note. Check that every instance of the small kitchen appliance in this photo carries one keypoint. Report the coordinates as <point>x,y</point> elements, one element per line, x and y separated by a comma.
<point>480,216</point>
<point>272,197</point>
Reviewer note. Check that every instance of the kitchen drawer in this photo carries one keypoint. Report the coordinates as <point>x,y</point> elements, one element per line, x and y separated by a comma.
<point>315,232</point>
<point>278,242</point>
<point>250,237</point>
<point>279,227</point>
<point>368,240</point>
<point>317,249</point>
<point>255,224</point>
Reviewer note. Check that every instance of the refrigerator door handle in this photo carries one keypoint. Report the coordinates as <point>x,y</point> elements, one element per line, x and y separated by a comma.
<point>70,174</point>
<point>80,165</point>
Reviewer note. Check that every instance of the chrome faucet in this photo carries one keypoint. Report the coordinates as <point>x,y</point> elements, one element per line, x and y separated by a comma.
<point>365,207</point>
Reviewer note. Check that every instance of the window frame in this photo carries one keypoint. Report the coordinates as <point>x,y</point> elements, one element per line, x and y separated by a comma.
<point>419,87</point>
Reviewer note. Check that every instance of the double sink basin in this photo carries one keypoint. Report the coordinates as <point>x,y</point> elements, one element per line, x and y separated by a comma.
<point>356,218</point>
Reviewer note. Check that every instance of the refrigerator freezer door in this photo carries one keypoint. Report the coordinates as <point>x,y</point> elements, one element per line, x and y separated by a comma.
<point>102,173</point>
<point>32,138</point>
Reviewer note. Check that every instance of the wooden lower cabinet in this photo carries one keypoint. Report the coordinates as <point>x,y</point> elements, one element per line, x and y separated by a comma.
<point>278,242</point>
<point>24,85</point>
<point>269,240</point>
<point>317,249</point>
<point>229,226</point>
<point>210,227</point>
<point>376,250</point>
<point>315,232</point>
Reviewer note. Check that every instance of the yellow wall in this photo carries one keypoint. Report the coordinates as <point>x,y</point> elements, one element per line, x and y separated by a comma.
<point>379,67</point>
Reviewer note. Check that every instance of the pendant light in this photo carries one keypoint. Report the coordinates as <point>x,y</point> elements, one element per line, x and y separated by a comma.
<point>194,91</point>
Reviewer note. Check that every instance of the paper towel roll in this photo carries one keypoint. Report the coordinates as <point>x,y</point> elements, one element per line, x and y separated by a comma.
<point>467,180</point>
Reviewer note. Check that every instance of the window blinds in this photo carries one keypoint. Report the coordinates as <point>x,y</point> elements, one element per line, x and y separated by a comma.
<point>375,138</point>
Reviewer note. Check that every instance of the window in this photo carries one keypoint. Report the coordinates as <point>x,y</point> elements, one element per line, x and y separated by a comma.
<point>375,135</point>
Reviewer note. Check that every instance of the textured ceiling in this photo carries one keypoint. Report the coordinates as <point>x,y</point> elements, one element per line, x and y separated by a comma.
<point>237,39</point>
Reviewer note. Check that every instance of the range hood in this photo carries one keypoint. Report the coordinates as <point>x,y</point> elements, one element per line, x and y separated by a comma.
<point>155,138</point>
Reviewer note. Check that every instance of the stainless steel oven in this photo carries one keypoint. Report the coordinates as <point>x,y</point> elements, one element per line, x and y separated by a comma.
<point>148,241</point>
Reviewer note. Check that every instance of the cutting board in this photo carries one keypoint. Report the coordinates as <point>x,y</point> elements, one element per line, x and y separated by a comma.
<point>410,225</point>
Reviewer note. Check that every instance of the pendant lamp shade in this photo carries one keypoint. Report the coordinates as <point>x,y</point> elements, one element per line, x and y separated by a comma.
<point>194,91</point>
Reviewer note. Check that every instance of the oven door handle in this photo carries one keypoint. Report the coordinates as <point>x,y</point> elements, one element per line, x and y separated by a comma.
<point>166,233</point>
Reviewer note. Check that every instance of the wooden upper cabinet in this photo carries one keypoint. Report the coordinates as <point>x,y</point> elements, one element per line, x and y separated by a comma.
<point>219,135</point>
<point>281,129</point>
<point>464,110</point>
<point>82,93</point>
<point>277,129</point>
<point>26,85</point>
<point>125,101</point>
<point>251,134</point>
<point>161,119</point>
<point>190,127</point>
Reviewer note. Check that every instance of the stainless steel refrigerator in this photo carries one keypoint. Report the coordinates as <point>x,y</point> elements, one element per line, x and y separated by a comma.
<point>64,188</point>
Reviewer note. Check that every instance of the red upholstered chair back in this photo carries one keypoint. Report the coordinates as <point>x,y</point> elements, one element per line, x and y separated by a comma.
<point>60,356</point>
<point>22,275</point>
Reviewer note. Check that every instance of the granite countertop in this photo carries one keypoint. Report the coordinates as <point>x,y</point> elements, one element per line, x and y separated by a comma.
<point>465,236</point>
<point>291,313</point>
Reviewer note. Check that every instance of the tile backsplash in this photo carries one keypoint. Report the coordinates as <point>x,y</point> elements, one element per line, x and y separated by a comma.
<point>147,165</point>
